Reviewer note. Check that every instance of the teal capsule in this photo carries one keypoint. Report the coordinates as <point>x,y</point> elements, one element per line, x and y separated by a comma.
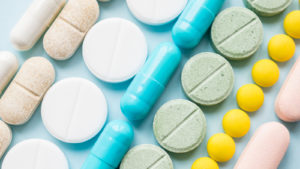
<point>150,82</point>
<point>111,146</point>
<point>194,21</point>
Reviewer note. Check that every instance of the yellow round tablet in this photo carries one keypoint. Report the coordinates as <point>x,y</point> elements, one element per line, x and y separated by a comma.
<point>292,24</point>
<point>236,123</point>
<point>281,48</point>
<point>250,97</point>
<point>221,147</point>
<point>265,73</point>
<point>205,163</point>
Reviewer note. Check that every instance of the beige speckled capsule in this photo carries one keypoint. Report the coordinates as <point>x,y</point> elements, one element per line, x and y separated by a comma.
<point>68,30</point>
<point>27,89</point>
<point>5,137</point>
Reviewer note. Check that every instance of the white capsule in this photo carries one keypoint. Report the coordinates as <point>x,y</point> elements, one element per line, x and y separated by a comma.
<point>34,23</point>
<point>8,67</point>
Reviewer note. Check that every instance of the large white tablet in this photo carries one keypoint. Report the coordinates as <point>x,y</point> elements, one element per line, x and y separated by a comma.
<point>74,110</point>
<point>114,50</point>
<point>156,12</point>
<point>35,154</point>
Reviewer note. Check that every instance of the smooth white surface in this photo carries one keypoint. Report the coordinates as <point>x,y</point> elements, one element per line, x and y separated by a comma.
<point>8,67</point>
<point>74,110</point>
<point>114,50</point>
<point>35,154</point>
<point>34,23</point>
<point>156,12</point>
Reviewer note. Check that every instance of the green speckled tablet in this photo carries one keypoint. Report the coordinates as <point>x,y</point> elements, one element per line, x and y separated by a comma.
<point>179,126</point>
<point>237,33</point>
<point>146,156</point>
<point>207,78</point>
<point>267,7</point>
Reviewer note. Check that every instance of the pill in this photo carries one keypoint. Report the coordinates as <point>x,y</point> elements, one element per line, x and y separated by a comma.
<point>8,67</point>
<point>155,12</point>
<point>179,126</point>
<point>5,137</point>
<point>221,147</point>
<point>266,7</point>
<point>281,48</point>
<point>146,156</point>
<point>194,21</point>
<point>69,28</point>
<point>205,163</point>
<point>292,24</point>
<point>236,123</point>
<point>237,33</point>
<point>111,146</point>
<point>34,23</point>
<point>250,97</point>
<point>149,83</point>
<point>35,153</point>
<point>114,50</point>
<point>74,110</point>
<point>27,89</point>
<point>266,148</point>
<point>288,99</point>
<point>207,78</point>
<point>265,73</point>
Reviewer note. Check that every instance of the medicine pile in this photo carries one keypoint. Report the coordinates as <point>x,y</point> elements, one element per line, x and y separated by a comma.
<point>115,50</point>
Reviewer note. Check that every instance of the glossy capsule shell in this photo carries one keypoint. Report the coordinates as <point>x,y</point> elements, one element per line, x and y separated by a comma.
<point>194,21</point>
<point>150,82</point>
<point>111,146</point>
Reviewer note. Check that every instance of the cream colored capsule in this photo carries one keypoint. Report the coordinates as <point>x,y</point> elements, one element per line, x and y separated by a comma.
<point>25,92</point>
<point>5,137</point>
<point>34,23</point>
<point>8,67</point>
<point>68,30</point>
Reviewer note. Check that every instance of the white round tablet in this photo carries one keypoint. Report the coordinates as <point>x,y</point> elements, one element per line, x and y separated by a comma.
<point>35,154</point>
<point>114,50</point>
<point>74,110</point>
<point>156,12</point>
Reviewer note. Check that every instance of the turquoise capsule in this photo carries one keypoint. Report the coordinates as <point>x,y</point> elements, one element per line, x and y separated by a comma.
<point>194,21</point>
<point>111,146</point>
<point>150,82</point>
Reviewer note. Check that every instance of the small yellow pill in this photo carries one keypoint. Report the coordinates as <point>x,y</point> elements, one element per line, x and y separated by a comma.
<point>292,24</point>
<point>221,147</point>
<point>281,48</point>
<point>236,123</point>
<point>205,163</point>
<point>250,97</point>
<point>265,73</point>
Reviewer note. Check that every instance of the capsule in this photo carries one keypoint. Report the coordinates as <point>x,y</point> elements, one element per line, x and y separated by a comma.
<point>34,23</point>
<point>150,82</point>
<point>8,67</point>
<point>194,21</point>
<point>266,148</point>
<point>111,146</point>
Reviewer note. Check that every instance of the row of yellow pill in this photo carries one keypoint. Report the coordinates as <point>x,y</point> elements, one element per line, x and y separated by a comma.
<point>250,97</point>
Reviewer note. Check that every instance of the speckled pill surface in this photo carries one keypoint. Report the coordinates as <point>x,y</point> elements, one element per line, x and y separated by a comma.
<point>179,126</point>
<point>5,137</point>
<point>267,7</point>
<point>27,89</point>
<point>207,78</point>
<point>68,30</point>
<point>146,156</point>
<point>237,33</point>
